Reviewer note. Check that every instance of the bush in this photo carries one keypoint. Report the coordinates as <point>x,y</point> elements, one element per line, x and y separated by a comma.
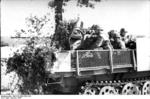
<point>32,62</point>
<point>31,67</point>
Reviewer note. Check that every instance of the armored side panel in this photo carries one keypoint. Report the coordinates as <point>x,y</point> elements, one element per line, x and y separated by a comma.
<point>103,62</point>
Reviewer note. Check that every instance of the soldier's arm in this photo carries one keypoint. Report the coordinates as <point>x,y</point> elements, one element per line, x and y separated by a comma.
<point>122,45</point>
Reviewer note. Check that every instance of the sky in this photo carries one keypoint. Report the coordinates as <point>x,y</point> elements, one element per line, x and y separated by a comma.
<point>133,15</point>
<point>14,13</point>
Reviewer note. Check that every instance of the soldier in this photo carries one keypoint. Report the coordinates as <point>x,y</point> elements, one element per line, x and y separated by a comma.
<point>92,39</point>
<point>111,35</point>
<point>131,44</point>
<point>123,35</point>
<point>75,39</point>
<point>97,38</point>
<point>107,45</point>
<point>118,43</point>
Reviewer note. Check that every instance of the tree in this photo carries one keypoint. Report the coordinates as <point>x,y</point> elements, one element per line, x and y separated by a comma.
<point>58,5</point>
<point>31,63</point>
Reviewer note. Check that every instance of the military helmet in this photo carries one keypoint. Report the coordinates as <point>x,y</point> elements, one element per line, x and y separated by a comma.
<point>122,30</point>
<point>76,34</point>
<point>96,27</point>
<point>117,35</point>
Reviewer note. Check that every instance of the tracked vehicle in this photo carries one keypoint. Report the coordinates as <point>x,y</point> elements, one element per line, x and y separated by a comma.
<point>103,72</point>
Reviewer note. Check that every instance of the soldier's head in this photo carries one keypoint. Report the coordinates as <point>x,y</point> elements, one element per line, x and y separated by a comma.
<point>122,32</point>
<point>112,34</point>
<point>76,34</point>
<point>117,37</point>
<point>97,29</point>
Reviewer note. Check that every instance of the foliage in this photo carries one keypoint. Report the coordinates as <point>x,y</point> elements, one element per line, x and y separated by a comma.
<point>58,6</point>
<point>80,3</point>
<point>32,63</point>
<point>63,33</point>
<point>35,26</point>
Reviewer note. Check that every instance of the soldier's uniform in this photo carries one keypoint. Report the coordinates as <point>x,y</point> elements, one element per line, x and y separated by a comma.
<point>107,45</point>
<point>111,35</point>
<point>118,43</point>
<point>75,40</point>
<point>97,41</point>
<point>123,35</point>
<point>97,37</point>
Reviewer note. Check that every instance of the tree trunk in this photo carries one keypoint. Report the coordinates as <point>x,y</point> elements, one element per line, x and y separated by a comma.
<point>58,18</point>
<point>58,11</point>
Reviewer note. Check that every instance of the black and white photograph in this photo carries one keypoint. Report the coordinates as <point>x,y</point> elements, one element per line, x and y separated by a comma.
<point>74,47</point>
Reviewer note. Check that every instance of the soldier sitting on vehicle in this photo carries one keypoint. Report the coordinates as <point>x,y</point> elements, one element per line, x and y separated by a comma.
<point>118,43</point>
<point>97,41</point>
<point>111,35</point>
<point>96,37</point>
<point>107,45</point>
<point>131,44</point>
<point>92,39</point>
<point>75,39</point>
<point>123,35</point>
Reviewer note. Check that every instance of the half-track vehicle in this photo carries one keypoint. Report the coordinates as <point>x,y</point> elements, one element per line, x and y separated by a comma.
<point>103,71</point>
